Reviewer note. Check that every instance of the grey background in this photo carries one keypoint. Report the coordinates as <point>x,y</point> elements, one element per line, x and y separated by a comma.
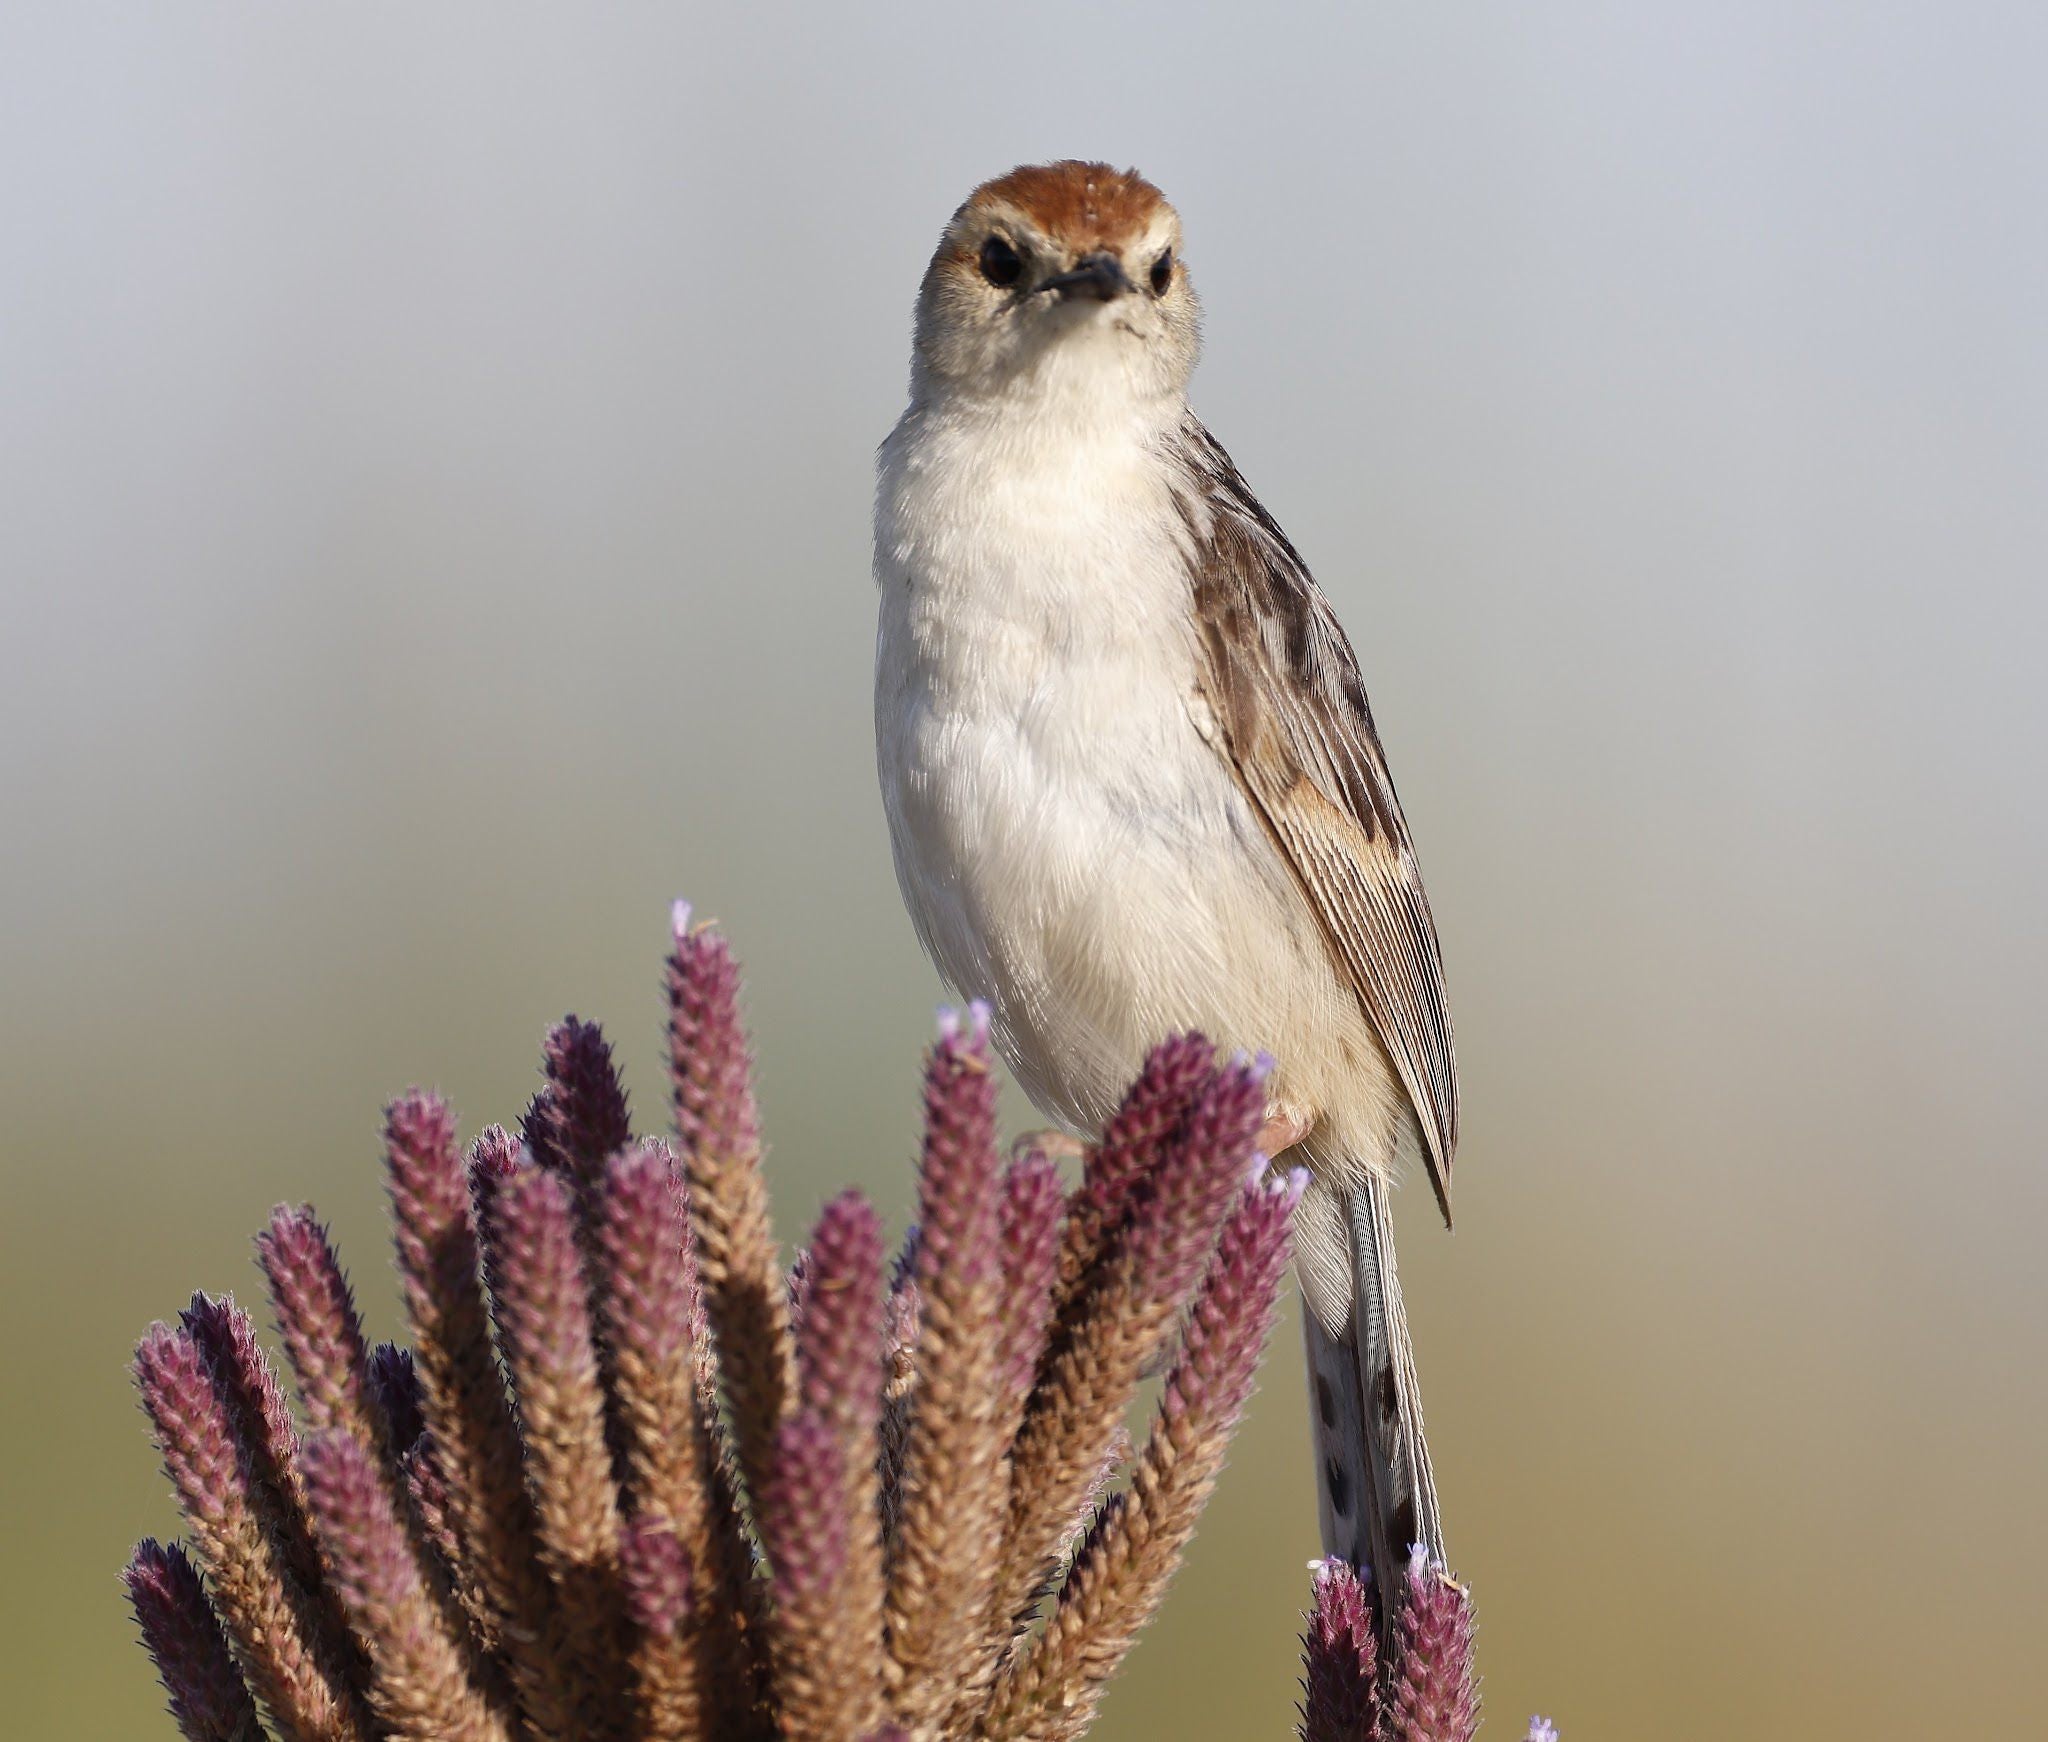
<point>435,456</point>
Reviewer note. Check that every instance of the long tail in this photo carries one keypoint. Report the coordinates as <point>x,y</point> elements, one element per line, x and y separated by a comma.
<point>1376,1492</point>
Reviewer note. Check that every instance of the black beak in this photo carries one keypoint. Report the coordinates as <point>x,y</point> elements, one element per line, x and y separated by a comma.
<point>1098,275</point>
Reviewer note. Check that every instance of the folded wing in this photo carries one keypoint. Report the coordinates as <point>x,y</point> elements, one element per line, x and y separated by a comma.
<point>1292,719</point>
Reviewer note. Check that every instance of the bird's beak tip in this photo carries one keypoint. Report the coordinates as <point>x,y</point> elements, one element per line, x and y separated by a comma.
<point>1100,276</point>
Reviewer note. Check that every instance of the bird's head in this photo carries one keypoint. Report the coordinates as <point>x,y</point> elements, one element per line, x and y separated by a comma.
<point>1060,278</point>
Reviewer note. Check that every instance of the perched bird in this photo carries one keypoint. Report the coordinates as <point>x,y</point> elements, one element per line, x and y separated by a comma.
<point>1131,775</point>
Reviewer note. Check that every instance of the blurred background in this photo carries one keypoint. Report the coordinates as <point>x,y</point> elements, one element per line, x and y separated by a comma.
<point>435,457</point>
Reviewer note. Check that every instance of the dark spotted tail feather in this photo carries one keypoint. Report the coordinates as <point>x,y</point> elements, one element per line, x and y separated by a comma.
<point>1375,1491</point>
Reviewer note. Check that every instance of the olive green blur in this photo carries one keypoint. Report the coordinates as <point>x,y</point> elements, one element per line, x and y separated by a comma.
<point>435,455</point>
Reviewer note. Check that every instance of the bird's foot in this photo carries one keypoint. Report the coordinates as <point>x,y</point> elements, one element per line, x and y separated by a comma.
<point>1285,1127</point>
<point>1052,1143</point>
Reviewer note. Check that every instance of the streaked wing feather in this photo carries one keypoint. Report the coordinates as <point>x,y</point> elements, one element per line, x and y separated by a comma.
<point>1283,686</point>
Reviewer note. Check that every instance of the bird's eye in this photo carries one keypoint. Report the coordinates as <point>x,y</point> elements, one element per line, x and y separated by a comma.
<point>1162,272</point>
<point>1001,264</point>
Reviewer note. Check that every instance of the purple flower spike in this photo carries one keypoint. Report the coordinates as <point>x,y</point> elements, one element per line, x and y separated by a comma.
<point>194,1429</point>
<point>958,1183</point>
<point>543,1316</point>
<point>419,1682</point>
<point>228,1338</point>
<point>1118,1576</point>
<point>493,1155</point>
<point>430,1203</point>
<point>373,1567</point>
<point>395,1385</point>
<point>645,1238</point>
<point>581,1118</point>
<point>953,1450</point>
<point>185,1640</point>
<point>655,1569</point>
<point>427,1484</point>
<point>840,1360</point>
<point>1219,1354</point>
<point>475,1479</point>
<point>1433,1698</point>
<point>803,1522</point>
<point>1176,1208</point>
<point>537,1130</point>
<point>543,1312</point>
<point>249,1386</point>
<point>316,1316</point>
<point>708,1054</point>
<point>746,1303</point>
<point>1153,1110</point>
<point>665,1659</point>
<point>651,1312</point>
<point>632,1478</point>
<point>1033,1202</point>
<point>292,1668</point>
<point>544,1323</point>
<point>1341,1703</point>
<point>826,1672</point>
<point>1120,1306</point>
<point>839,1342</point>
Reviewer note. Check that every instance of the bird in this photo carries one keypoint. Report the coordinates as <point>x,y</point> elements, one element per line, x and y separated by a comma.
<point>1131,775</point>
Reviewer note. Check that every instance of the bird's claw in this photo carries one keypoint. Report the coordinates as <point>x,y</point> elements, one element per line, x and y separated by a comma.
<point>1285,1127</point>
<point>1052,1143</point>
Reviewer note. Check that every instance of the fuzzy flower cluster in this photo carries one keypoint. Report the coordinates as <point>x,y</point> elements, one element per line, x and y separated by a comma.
<point>635,1481</point>
<point>1424,1689</point>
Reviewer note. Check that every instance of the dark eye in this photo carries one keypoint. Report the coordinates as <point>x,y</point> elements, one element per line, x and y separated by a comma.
<point>1000,263</point>
<point>1162,273</point>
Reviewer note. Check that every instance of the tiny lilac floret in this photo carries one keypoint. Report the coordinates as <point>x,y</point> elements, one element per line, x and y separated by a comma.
<point>1541,1730</point>
<point>679,919</point>
<point>971,1023</point>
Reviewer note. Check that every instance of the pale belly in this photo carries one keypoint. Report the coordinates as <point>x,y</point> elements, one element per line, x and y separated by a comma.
<point>1075,853</point>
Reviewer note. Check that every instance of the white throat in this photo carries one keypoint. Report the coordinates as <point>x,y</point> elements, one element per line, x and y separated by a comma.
<point>1088,385</point>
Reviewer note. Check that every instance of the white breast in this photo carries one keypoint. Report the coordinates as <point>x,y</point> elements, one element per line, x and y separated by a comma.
<point>1069,846</point>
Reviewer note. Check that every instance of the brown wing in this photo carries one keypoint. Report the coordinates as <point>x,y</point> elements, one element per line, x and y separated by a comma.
<point>1291,711</point>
